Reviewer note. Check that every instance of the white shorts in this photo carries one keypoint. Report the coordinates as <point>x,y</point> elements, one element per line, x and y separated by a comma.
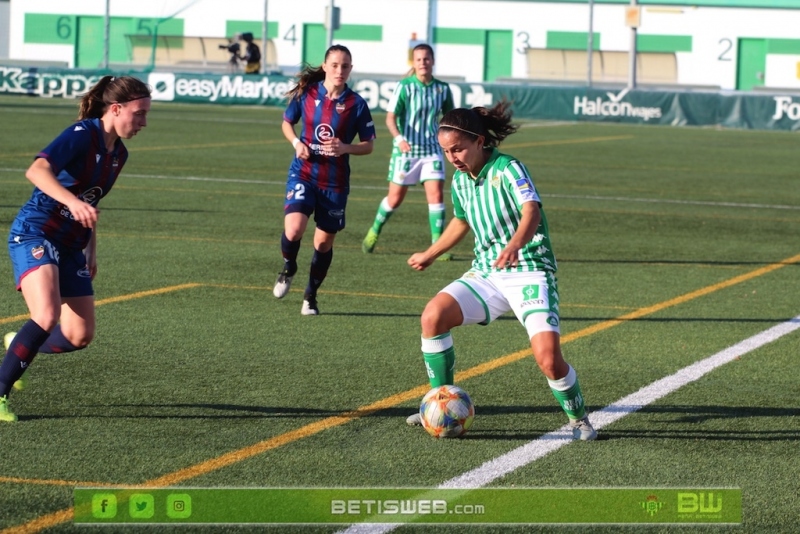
<point>405,170</point>
<point>532,296</point>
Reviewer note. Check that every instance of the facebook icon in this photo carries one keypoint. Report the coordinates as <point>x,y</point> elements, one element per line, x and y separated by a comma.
<point>104,505</point>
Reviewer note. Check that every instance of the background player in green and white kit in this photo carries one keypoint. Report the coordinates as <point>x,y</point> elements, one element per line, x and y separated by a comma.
<point>514,267</point>
<point>411,117</point>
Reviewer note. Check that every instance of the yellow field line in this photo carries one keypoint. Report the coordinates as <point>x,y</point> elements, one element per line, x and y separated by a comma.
<point>62,516</point>
<point>570,141</point>
<point>121,298</point>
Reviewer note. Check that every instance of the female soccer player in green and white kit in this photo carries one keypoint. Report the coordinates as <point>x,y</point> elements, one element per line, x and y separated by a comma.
<point>514,267</point>
<point>411,117</point>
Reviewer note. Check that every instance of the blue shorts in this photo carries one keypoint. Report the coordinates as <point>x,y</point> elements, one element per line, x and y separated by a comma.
<point>28,253</point>
<point>327,206</point>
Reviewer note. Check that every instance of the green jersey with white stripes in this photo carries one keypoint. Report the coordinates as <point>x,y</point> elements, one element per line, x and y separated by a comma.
<point>492,206</point>
<point>417,107</point>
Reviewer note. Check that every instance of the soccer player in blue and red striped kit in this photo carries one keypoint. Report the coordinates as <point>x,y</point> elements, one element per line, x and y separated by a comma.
<point>330,115</point>
<point>53,239</point>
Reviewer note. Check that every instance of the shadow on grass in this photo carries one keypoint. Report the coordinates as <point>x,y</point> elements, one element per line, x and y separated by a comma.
<point>677,423</point>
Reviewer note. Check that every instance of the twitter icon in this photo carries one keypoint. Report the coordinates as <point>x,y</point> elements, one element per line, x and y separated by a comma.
<point>141,506</point>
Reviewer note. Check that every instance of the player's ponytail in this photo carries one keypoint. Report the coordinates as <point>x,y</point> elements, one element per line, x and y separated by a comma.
<point>110,90</point>
<point>494,123</point>
<point>311,75</point>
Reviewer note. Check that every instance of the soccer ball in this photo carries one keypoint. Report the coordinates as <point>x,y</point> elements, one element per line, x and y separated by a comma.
<point>447,412</point>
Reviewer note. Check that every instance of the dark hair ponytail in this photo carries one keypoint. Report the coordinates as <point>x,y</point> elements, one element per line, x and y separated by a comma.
<point>110,90</point>
<point>311,75</point>
<point>494,123</point>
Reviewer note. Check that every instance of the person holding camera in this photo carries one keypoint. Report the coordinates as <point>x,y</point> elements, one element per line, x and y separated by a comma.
<point>252,55</point>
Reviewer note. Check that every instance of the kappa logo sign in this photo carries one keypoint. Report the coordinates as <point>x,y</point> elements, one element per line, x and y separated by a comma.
<point>31,82</point>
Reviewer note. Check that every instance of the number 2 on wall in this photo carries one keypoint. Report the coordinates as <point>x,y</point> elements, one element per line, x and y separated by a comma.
<point>728,44</point>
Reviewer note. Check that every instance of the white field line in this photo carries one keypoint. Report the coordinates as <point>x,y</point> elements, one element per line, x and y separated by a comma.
<point>674,201</point>
<point>538,448</point>
<point>420,190</point>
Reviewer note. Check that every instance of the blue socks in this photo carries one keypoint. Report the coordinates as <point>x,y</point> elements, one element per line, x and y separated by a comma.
<point>20,354</point>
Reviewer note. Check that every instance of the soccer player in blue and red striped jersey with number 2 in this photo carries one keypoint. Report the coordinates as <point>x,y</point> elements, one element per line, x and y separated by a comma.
<point>53,240</point>
<point>330,115</point>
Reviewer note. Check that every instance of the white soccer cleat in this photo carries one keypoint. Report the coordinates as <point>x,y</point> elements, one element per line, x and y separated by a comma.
<point>582,429</point>
<point>282,284</point>
<point>415,419</point>
<point>310,306</point>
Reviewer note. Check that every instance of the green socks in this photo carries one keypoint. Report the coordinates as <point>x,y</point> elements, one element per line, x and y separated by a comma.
<point>440,358</point>
<point>436,220</point>
<point>567,392</point>
<point>383,214</point>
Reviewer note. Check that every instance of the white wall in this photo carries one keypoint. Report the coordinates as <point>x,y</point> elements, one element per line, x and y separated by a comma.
<point>712,61</point>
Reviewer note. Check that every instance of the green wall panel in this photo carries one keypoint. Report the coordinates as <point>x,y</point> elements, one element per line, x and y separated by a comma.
<point>49,29</point>
<point>783,46</point>
<point>663,43</point>
<point>359,32</point>
<point>233,27</point>
<point>572,40</point>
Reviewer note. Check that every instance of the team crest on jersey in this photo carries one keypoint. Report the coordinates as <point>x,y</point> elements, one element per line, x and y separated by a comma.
<point>340,107</point>
<point>496,181</point>
<point>290,195</point>
<point>37,252</point>
<point>97,158</point>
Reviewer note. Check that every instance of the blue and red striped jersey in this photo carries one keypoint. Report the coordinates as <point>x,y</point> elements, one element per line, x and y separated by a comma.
<point>322,118</point>
<point>81,163</point>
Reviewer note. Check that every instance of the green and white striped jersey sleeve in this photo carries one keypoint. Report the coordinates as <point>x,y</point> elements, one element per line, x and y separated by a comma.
<point>417,107</point>
<point>492,206</point>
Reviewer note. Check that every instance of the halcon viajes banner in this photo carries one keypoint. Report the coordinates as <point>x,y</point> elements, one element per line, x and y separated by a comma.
<point>640,106</point>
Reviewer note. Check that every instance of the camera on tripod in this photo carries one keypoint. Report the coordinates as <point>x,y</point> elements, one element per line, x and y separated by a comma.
<point>232,48</point>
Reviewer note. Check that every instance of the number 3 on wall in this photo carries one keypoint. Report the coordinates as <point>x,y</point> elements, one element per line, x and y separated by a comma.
<point>522,42</point>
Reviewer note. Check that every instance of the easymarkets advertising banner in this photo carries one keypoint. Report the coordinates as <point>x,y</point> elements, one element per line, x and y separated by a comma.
<point>729,109</point>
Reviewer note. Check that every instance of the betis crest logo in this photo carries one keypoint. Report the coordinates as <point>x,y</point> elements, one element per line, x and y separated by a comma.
<point>651,505</point>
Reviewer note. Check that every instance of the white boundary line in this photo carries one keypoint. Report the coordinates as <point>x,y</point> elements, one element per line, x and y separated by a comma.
<point>552,441</point>
<point>673,201</point>
<point>420,190</point>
